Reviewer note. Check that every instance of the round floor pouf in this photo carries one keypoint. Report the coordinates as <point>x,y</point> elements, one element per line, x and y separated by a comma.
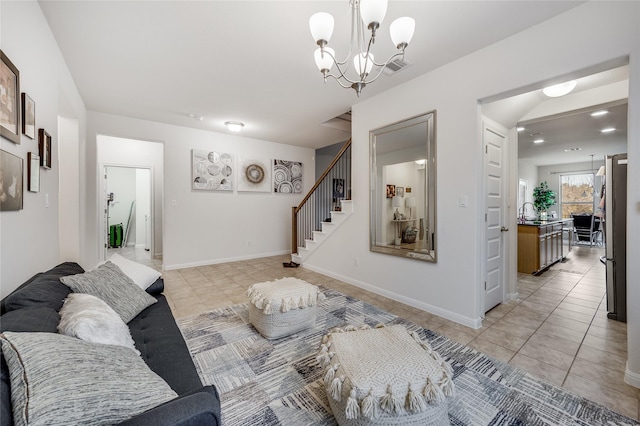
<point>283,307</point>
<point>384,376</point>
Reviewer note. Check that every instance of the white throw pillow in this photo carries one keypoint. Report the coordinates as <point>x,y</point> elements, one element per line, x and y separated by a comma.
<point>90,319</point>
<point>139,274</point>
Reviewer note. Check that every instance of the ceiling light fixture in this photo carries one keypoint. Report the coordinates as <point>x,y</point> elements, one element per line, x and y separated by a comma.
<point>573,149</point>
<point>369,13</point>
<point>234,126</point>
<point>196,116</point>
<point>608,130</point>
<point>561,89</point>
<point>599,113</point>
<point>519,129</point>
<point>538,141</point>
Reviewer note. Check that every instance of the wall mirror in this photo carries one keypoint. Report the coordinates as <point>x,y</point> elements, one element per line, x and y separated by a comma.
<point>403,188</point>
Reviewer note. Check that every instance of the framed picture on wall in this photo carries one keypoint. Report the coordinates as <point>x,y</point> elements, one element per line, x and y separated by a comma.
<point>44,143</point>
<point>400,191</point>
<point>391,191</point>
<point>9,100</point>
<point>33,172</point>
<point>28,116</point>
<point>10,182</point>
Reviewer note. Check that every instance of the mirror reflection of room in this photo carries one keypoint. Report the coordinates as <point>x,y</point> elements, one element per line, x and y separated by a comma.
<point>403,190</point>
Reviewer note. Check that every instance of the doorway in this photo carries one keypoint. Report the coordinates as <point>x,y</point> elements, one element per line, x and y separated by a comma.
<point>128,211</point>
<point>133,171</point>
<point>607,86</point>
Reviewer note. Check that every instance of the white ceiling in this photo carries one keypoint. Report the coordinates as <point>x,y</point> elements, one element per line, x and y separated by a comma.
<point>566,123</point>
<point>252,61</point>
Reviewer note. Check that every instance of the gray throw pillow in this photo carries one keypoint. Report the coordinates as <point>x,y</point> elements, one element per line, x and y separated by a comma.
<point>109,283</point>
<point>60,380</point>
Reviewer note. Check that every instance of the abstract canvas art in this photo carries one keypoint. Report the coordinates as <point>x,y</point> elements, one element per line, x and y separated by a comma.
<point>287,177</point>
<point>254,175</point>
<point>211,170</point>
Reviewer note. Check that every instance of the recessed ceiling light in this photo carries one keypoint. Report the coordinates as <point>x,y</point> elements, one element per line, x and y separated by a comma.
<point>519,129</point>
<point>196,116</point>
<point>561,89</point>
<point>573,149</point>
<point>538,141</point>
<point>608,130</point>
<point>599,113</point>
<point>234,126</point>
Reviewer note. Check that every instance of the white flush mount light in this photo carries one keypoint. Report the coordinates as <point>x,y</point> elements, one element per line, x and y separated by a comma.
<point>561,89</point>
<point>234,126</point>
<point>420,162</point>
<point>599,113</point>
<point>196,116</point>
<point>538,141</point>
<point>608,130</point>
<point>520,129</point>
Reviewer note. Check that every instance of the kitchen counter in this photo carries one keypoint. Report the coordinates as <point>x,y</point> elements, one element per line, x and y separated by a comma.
<point>540,244</point>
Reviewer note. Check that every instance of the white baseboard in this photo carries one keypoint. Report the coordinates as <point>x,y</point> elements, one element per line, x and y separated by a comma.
<point>225,260</point>
<point>631,377</point>
<point>466,321</point>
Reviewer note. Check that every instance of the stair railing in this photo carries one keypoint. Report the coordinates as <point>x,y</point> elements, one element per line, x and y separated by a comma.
<point>333,185</point>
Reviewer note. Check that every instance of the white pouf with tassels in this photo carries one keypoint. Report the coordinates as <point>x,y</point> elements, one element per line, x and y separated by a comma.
<point>283,307</point>
<point>384,376</point>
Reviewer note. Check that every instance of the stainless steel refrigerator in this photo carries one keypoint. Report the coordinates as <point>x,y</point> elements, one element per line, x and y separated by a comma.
<point>616,235</point>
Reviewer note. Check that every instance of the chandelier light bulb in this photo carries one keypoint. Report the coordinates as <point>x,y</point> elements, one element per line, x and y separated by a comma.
<point>363,63</point>
<point>321,26</point>
<point>324,61</point>
<point>402,31</point>
<point>373,11</point>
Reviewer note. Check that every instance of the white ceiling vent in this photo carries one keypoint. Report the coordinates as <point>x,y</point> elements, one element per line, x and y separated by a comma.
<point>396,65</point>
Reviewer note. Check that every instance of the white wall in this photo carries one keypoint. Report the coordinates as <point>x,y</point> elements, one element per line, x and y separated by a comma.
<point>588,35</point>
<point>26,39</point>
<point>69,172</point>
<point>202,227</point>
<point>143,205</point>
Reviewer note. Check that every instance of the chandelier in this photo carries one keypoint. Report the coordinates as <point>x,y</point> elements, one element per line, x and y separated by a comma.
<point>369,13</point>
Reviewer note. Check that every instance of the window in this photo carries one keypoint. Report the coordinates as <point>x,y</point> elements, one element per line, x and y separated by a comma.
<point>576,193</point>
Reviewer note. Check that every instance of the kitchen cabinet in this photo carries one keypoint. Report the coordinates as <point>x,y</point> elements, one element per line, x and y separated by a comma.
<point>540,244</point>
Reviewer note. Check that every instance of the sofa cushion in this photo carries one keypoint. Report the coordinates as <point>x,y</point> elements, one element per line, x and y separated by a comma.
<point>43,290</point>
<point>162,347</point>
<point>110,284</point>
<point>140,274</point>
<point>90,319</point>
<point>157,287</point>
<point>63,380</point>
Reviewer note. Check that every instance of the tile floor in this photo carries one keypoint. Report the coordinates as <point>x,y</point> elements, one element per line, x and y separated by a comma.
<point>558,330</point>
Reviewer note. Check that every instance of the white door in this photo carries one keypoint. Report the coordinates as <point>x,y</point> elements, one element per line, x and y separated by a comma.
<point>494,140</point>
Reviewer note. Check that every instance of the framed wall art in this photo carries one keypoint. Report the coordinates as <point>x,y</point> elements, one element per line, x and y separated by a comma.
<point>28,116</point>
<point>33,172</point>
<point>9,100</point>
<point>10,182</point>
<point>391,191</point>
<point>255,175</point>
<point>211,170</point>
<point>400,191</point>
<point>287,177</point>
<point>44,143</point>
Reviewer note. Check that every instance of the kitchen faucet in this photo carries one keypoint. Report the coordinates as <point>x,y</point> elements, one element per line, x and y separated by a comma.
<point>523,208</point>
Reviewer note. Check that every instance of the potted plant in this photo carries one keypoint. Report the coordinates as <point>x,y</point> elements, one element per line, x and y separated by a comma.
<point>543,198</point>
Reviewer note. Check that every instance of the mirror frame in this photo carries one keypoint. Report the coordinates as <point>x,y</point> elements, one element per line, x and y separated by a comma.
<point>376,195</point>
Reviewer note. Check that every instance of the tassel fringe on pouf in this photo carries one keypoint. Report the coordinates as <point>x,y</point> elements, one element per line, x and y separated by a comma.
<point>384,376</point>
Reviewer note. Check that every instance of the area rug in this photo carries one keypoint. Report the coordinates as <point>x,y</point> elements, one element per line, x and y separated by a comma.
<point>278,383</point>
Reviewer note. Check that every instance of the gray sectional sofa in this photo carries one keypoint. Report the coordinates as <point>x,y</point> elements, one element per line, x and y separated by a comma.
<point>34,307</point>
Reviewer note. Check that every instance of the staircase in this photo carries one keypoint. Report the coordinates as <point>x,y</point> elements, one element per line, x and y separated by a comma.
<point>324,208</point>
<point>328,227</point>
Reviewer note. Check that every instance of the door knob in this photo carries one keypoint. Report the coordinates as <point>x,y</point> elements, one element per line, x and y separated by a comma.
<point>503,229</point>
